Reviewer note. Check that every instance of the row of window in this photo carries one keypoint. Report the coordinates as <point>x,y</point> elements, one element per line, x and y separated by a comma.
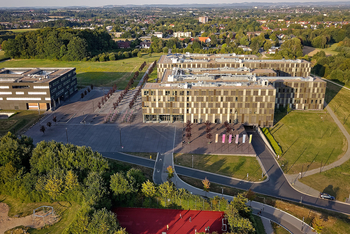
<point>208,93</point>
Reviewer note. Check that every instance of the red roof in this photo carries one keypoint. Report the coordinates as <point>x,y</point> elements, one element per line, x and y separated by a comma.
<point>203,39</point>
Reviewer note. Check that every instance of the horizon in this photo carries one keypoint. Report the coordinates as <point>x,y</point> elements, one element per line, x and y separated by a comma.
<point>135,3</point>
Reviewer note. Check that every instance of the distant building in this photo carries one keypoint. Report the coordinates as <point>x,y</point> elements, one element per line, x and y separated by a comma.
<point>203,19</point>
<point>123,44</point>
<point>109,28</point>
<point>146,44</point>
<point>158,34</point>
<point>36,88</point>
<point>117,34</point>
<point>204,39</point>
<point>182,34</point>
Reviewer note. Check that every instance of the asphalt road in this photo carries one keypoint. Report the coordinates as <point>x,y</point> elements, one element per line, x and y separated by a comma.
<point>276,185</point>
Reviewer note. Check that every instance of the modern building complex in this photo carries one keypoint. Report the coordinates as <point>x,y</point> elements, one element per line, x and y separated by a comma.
<point>210,87</point>
<point>281,67</point>
<point>36,88</point>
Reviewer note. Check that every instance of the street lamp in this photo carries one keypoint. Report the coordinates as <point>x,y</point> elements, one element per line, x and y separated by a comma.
<point>222,192</point>
<point>67,135</point>
<point>120,137</point>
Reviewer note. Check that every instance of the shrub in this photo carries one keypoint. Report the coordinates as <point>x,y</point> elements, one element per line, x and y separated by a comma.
<point>272,141</point>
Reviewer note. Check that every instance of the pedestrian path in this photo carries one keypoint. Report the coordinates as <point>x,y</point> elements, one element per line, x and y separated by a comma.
<point>294,178</point>
<point>288,221</point>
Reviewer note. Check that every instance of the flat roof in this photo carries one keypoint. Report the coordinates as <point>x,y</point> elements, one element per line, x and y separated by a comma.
<point>31,75</point>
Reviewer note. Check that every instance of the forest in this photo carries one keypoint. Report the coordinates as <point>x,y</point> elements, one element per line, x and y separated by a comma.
<point>59,44</point>
<point>53,172</point>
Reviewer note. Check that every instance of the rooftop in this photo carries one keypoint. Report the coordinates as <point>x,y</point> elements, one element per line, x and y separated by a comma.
<point>31,75</point>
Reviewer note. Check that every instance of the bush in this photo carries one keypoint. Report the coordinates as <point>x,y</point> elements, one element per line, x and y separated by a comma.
<point>272,141</point>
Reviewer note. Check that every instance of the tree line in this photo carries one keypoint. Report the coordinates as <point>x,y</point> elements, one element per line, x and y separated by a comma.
<point>53,171</point>
<point>59,44</point>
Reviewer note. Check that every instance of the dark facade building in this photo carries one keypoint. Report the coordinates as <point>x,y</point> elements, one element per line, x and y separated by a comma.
<point>36,88</point>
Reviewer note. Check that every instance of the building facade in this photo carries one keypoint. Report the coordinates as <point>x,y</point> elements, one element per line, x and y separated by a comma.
<point>237,95</point>
<point>203,19</point>
<point>283,67</point>
<point>182,34</point>
<point>36,88</point>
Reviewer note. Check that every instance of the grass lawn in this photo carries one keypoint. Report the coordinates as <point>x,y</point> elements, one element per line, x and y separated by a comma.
<point>308,139</point>
<point>335,181</point>
<point>259,225</point>
<point>20,30</point>
<point>309,50</point>
<point>234,166</point>
<point>279,229</point>
<point>107,73</point>
<point>18,122</point>
<point>65,210</point>
<point>2,55</point>
<point>338,100</point>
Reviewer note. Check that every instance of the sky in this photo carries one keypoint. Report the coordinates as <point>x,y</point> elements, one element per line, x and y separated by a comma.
<point>97,3</point>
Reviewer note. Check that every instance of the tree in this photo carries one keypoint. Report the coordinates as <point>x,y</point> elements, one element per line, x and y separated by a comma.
<point>139,54</point>
<point>166,189</point>
<point>15,150</point>
<point>71,181</point>
<point>238,224</point>
<point>120,186</point>
<point>149,189</point>
<point>95,191</point>
<point>77,49</point>
<point>54,187</point>
<point>170,171</point>
<point>206,184</point>
<point>103,221</point>
<point>42,129</point>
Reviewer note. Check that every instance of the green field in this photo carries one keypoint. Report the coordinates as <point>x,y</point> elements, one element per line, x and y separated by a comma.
<point>97,73</point>
<point>2,55</point>
<point>312,51</point>
<point>18,121</point>
<point>233,166</point>
<point>335,181</point>
<point>308,139</point>
<point>338,100</point>
<point>20,30</point>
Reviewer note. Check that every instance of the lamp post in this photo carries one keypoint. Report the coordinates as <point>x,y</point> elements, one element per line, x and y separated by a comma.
<point>67,135</point>
<point>222,192</point>
<point>120,137</point>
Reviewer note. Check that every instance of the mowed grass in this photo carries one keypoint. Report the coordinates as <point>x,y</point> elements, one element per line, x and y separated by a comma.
<point>20,30</point>
<point>2,55</point>
<point>17,122</point>
<point>338,100</point>
<point>106,74</point>
<point>233,166</point>
<point>335,181</point>
<point>65,210</point>
<point>308,140</point>
<point>310,51</point>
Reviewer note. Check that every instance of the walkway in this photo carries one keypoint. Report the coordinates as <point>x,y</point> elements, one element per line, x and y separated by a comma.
<point>290,222</point>
<point>294,178</point>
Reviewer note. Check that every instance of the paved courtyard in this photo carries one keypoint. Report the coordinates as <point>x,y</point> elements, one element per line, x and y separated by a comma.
<point>81,122</point>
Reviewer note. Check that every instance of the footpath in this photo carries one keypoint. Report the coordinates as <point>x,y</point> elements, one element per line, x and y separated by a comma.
<point>267,213</point>
<point>294,178</point>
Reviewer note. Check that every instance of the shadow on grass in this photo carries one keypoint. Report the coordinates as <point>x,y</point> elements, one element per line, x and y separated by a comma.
<point>331,190</point>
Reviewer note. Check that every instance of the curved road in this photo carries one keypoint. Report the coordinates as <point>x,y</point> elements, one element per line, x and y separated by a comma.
<point>276,185</point>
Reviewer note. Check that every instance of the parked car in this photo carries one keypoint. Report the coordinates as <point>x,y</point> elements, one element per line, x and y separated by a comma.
<point>326,196</point>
